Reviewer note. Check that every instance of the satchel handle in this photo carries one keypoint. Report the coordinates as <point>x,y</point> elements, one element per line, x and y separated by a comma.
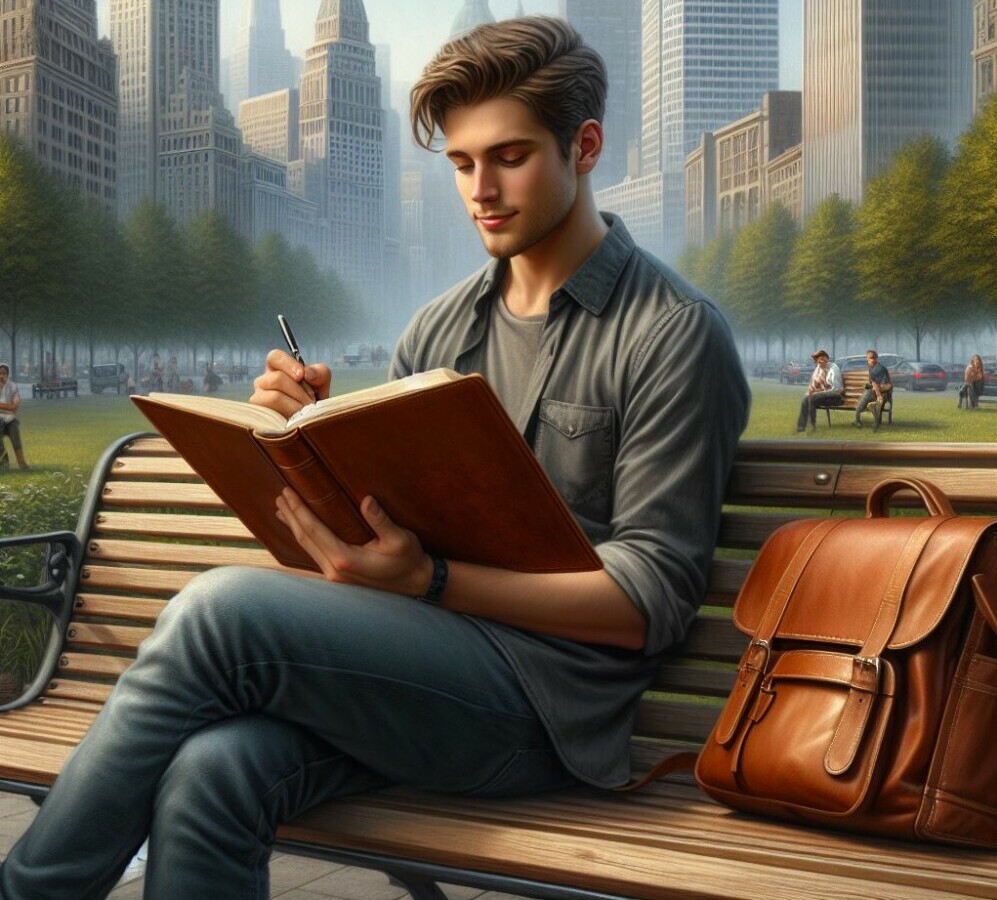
<point>932,496</point>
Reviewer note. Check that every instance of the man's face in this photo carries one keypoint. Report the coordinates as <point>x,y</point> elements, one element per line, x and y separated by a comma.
<point>822,361</point>
<point>4,375</point>
<point>516,186</point>
<point>871,358</point>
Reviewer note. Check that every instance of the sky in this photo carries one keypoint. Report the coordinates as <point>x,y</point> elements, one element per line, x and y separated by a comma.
<point>414,33</point>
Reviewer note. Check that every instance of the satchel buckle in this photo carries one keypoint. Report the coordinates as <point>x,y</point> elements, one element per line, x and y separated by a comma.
<point>764,646</point>
<point>861,665</point>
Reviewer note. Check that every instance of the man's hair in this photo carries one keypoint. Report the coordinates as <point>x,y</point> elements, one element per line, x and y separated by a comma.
<point>5,366</point>
<point>539,60</point>
<point>872,353</point>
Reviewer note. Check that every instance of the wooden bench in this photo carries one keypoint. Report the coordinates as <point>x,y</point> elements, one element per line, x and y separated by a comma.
<point>51,389</point>
<point>855,383</point>
<point>149,525</point>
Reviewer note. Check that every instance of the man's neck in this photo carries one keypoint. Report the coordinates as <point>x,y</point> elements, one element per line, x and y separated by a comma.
<point>535,274</point>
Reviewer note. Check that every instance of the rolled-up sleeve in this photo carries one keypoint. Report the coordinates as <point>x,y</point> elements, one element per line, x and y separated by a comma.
<point>686,406</point>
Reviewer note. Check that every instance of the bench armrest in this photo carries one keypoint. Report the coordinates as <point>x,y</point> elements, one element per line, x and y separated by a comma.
<point>62,554</point>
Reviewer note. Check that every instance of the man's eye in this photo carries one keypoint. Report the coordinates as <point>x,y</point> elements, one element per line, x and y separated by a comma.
<point>512,160</point>
<point>464,167</point>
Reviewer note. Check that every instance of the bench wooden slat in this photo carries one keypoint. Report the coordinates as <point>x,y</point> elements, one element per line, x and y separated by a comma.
<point>675,867</point>
<point>795,482</point>
<point>152,466</point>
<point>748,531</point>
<point>133,608</point>
<point>148,446</point>
<point>95,664</point>
<point>712,637</point>
<point>142,581</point>
<point>682,676</point>
<point>221,528</point>
<point>727,575</point>
<point>33,762</point>
<point>961,486</point>
<point>106,637</point>
<point>156,553</point>
<point>679,721</point>
<point>71,689</point>
<point>154,493</point>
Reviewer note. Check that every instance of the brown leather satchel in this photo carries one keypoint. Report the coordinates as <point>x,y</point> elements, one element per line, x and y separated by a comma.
<point>867,698</point>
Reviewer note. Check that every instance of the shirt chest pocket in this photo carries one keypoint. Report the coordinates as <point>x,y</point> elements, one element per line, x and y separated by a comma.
<point>576,447</point>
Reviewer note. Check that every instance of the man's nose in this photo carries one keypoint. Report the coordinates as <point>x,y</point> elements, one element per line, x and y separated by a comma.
<point>485,186</point>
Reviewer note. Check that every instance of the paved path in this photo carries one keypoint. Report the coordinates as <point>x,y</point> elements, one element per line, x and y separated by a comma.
<point>291,877</point>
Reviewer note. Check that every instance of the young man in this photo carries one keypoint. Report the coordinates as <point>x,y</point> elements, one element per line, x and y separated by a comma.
<point>826,388</point>
<point>878,386</point>
<point>260,694</point>
<point>10,402</point>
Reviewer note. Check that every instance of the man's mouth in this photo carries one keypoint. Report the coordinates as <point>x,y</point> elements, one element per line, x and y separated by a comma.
<point>493,221</point>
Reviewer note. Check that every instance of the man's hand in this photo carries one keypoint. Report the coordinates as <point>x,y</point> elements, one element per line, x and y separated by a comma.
<point>280,386</point>
<point>393,561</point>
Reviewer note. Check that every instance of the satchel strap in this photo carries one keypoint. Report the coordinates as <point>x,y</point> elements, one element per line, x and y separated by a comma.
<point>866,670</point>
<point>755,660</point>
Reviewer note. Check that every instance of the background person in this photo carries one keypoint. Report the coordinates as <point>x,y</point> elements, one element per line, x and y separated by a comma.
<point>10,402</point>
<point>826,388</point>
<point>973,381</point>
<point>876,391</point>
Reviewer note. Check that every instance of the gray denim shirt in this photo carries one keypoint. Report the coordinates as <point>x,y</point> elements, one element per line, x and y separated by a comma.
<point>634,409</point>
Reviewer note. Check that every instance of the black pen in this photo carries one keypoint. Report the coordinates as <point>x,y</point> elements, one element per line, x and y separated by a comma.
<point>292,345</point>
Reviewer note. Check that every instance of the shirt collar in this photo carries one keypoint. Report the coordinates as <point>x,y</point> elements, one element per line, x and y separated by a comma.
<point>592,283</point>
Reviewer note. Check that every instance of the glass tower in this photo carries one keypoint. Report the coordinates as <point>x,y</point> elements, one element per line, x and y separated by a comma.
<point>876,74</point>
<point>260,63</point>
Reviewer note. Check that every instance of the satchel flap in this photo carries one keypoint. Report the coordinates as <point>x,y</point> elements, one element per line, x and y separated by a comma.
<point>838,596</point>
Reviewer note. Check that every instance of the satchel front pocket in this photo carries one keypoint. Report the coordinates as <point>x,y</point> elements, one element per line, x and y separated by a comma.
<point>812,738</point>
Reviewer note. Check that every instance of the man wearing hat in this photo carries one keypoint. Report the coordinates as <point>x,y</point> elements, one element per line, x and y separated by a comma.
<point>826,388</point>
<point>10,400</point>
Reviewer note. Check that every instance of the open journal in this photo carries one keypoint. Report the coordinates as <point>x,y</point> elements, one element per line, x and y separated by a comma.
<point>436,449</point>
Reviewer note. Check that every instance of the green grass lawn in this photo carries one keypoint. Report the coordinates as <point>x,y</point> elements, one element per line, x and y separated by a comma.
<point>64,438</point>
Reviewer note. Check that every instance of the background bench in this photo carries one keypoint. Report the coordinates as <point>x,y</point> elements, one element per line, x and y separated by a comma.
<point>855,383</point>
<point>50,389</point>
<point>149,525</point>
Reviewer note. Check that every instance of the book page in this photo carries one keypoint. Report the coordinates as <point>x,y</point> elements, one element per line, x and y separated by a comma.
<point>259,418</point>
<point>365,397</point>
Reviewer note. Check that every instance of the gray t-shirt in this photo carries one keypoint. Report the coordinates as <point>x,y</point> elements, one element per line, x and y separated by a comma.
<point>510,350</point>
<point>634,407</point>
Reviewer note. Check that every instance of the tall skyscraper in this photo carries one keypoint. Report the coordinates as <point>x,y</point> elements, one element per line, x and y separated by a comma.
<point>876,74</point>
<point>269,125</point>
<point>58,91</point>
<point>703,63</point>
<point>260,62</point>
<point>342,143</point>
<point>156,40</point>
<point>985,51</point>
<point>472,14</point>
<point>613,30</point>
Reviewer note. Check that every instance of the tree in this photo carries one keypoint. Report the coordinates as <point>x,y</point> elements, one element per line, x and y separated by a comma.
<point>821,281</point>
<point>897,253</point>
<point>159,294</point>
<point>221,280</point>
<point>756,275</point>
<point>711,266</point>
<point>33,266</point>
<point>966,231</point>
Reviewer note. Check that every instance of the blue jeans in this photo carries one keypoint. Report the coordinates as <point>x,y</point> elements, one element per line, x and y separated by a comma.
<point>257,696</point>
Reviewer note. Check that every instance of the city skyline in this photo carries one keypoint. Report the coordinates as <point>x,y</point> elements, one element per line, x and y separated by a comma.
<point>414,36</point>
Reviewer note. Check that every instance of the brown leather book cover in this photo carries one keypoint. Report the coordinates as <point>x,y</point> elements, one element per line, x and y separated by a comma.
<point>443,458</point>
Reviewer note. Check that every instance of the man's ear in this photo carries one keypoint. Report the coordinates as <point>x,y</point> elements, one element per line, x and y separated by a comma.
<point>588,146</point>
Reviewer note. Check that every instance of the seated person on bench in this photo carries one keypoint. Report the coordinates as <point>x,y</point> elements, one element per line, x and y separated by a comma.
<point>260,694</point>
<point>877,390</point>
<point>825,389</point>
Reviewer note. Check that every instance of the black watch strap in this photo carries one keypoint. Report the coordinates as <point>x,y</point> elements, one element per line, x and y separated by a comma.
<point>438,583</point>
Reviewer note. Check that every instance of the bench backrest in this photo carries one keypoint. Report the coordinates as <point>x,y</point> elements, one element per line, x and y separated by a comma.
<point>153,525</point>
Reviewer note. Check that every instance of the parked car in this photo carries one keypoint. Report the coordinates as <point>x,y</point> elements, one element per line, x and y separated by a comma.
<point>851,363</point>
<point>111,375</point>
<point>990,378</point>
<point>796,373</point>
<point>920,376</point>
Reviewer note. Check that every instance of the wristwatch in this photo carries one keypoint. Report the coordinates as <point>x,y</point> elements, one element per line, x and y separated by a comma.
<point>438,583</point>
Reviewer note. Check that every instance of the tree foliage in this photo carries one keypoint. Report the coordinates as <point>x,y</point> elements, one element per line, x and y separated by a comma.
<point>896,237</point>
<point>821,281</point>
